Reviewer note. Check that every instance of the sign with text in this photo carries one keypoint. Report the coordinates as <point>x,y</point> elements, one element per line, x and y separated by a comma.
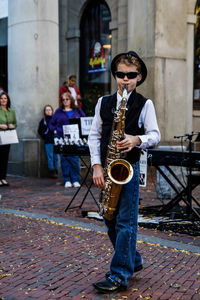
<point>143,168</point>
<point>71,131</point>
<point>86,123</point>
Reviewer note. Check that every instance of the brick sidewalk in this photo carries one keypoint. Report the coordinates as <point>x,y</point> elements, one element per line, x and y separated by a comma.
<point>43,258</point>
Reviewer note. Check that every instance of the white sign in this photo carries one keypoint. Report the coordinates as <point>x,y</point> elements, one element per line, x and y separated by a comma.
<point>8,137</point>
<point>86,123</point>
<point>143,168</point>
<point>71,131</point>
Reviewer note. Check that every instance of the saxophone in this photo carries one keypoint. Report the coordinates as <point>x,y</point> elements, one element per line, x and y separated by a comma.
<point>117,171</point>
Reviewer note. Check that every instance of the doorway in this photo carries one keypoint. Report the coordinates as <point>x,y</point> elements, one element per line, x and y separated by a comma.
<point>95,54</point>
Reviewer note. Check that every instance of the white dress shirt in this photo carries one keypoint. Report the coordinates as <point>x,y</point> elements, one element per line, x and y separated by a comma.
<point>147,118</point>
<point>73,93</point>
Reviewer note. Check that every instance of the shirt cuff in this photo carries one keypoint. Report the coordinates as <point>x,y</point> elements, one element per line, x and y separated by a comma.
<point>143,141</point>
<point>95,160</point>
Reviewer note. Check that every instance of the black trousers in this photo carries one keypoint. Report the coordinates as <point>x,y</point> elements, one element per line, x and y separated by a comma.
<point>4,154</point>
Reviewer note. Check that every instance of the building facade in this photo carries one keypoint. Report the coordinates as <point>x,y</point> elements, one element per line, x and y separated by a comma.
<point>49,39</point>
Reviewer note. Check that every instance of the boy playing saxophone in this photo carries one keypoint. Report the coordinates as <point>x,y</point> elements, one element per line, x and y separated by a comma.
<point>141,132</point>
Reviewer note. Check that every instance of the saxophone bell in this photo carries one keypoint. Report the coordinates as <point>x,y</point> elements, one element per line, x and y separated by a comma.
<point>120,171</point>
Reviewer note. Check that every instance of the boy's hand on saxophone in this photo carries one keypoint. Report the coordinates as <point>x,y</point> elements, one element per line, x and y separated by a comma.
<point>129,142</point>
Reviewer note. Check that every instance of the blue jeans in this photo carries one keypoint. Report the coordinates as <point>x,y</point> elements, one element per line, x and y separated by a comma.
<point>70,168</point>
<point>52,158</point>
<point>122,232</point>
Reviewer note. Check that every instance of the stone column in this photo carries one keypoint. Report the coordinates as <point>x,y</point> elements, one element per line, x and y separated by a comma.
<point>33,63</point>
<point>141,29</point>
<point>122,26</point>
<point>170,84</point>
<point>114,52</point>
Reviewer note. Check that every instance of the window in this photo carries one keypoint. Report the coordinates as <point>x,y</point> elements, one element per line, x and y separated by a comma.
<point>4,53</point>
<point>196,105</point>
<point>95,54</point>
<point>3,68</point>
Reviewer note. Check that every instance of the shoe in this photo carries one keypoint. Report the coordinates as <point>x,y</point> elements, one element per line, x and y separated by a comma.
<point>76,184</point>
<point>1,183</point>
<point>108,286</point>
<point>4,182</point>
<point>53,174</point>
<point>136,269</point>
<point>68,184</point>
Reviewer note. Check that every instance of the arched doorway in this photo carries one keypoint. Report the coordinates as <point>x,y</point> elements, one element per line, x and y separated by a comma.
<point>95,53</point>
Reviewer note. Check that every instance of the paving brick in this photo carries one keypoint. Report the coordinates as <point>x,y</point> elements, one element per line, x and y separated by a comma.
<point>195,297</point>
<point>44,260</point>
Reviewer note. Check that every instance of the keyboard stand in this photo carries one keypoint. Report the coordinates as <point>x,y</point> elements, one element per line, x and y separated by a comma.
<point>82,184</point>
<point>186,193</point>
<point>183,195</point>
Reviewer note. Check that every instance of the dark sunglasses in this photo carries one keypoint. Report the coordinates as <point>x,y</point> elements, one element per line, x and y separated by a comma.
<point>130,75</point>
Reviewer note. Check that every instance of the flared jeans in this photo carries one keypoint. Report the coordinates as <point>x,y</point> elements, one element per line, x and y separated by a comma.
<point>70,168</point>
<point>122,232</point>
<point>52,158</point>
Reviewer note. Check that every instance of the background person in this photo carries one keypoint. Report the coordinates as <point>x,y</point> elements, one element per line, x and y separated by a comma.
<point>1,89</point>
<point>141,131</point>
<point>69,164</point>
<point>48,136</point>
<point>69,86</point>
<point>7,121</point>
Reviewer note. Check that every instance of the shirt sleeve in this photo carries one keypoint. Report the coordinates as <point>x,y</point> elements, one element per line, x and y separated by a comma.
<point>14,120</point>
<point>95,136</point>
<point>81,112</point>
<point>148,119</point>
<point>53,122</point>
<point>11,118</point>
<point>42,128</point>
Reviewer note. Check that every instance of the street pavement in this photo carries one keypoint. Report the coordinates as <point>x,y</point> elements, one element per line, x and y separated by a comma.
<point>47,253</point>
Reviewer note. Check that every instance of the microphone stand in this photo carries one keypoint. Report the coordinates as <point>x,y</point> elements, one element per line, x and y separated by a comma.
<point>189,181</point>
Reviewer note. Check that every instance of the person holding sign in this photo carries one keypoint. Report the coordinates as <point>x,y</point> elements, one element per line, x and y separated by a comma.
<point>7,121</point>
<point>69,164</point>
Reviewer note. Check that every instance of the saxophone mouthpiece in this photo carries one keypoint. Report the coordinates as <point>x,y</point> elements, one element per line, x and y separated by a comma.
<point>124,94</point>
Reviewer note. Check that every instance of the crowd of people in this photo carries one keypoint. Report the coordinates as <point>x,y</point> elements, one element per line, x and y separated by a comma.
<point>50,126</point>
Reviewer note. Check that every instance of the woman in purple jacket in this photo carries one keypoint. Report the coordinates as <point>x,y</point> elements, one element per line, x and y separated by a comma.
<point>69,164</point>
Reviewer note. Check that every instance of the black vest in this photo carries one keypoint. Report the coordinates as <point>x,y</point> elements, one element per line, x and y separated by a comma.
<point>134,108</point>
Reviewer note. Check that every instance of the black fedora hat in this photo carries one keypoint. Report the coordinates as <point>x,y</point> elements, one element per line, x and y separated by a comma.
<point>132,53</point>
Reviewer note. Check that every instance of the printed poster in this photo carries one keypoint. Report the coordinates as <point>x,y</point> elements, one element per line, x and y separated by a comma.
<point>143,168</point>
<point>71,131</point>
<point>86,123</point>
